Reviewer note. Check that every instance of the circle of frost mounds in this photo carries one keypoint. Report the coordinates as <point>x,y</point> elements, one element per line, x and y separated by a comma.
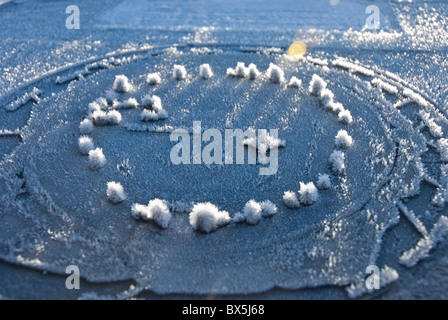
<point>291,251</point>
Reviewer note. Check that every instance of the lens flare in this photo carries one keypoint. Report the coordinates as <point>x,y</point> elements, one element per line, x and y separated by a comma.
<point>297,50</point>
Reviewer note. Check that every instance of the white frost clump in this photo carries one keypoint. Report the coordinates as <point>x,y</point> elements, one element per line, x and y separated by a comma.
<point>239,72</point>
<point>443,149</point>
<point>238,218</point>
<point>205,71</point>
<point>326,96</point>
<point>114,117</point>
<point>153,79</point>
<point>275,74</point>
<point>345,116</point>
<point>102,102</point>
<point>295,83</point>
<point>85,145</point>
<point>157,112</point>
<point>335,107</point>
<point>122,84</point>
<point>435,130</point>
<point>179,72</point>
<point>152,102</point>
<point>324,182</point>
<point>205,217</point>
<point>337,161</point>
<point>157,210</point>
<point>160,213</point>
<point>317,84</point>
<point>95,106</point>
<point>252,212</point>
<point>253,72</point>
<point>265,142</point>
<point>152,115</point>
<point>140,211</point>
<point>86,126</point>
<point>290,200</point>
<point>115,192</point>
<point>268,209</point>
<point>97,160</point>
<point>308,193</point>
<point>343,139</point>
<point>130,103</point>
<point>102,118</point>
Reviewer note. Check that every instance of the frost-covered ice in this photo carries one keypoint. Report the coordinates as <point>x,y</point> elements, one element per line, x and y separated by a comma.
<point>435,130</point>
<point>385,86</point>
<point>443,147</point>
<point>426,244</point>
<point>415,97</point>
<point>352,67</point>
<point>18,103</point>
<point>107,89</point>
<point>386,276</point>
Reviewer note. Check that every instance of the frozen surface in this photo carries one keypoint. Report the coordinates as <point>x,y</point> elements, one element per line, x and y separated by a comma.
<point>56,211</point>
<point>236,15</point>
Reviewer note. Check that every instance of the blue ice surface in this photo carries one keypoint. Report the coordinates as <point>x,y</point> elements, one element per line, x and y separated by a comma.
<point>239,15</point>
